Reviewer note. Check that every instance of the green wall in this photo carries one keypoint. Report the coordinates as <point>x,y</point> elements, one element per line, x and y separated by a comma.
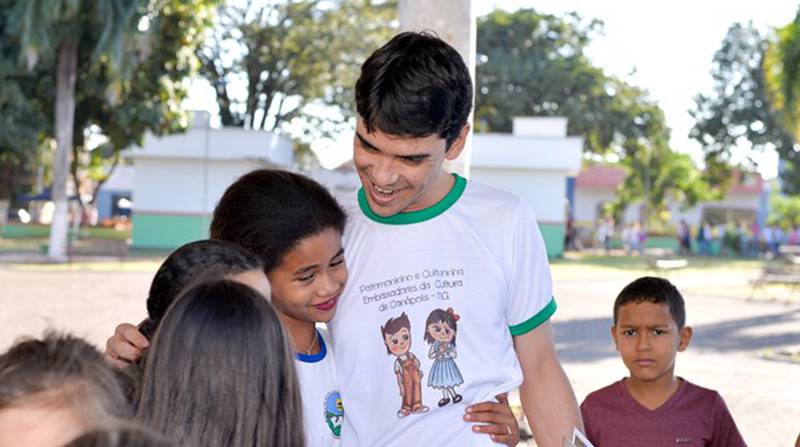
<point>167,231</point>
<point>12,231</point>
<point>553,235</point>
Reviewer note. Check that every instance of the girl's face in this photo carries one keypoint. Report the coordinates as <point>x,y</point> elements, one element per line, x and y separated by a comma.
<point>306,286</point>
<point>441,332</point>
<point>256,279</point>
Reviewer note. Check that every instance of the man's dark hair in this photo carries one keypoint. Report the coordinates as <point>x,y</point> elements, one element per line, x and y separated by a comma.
<point>191,262</point>
<point>653,290</point>
<point>268,212</point>
<point>415,86</point>
<point>220,372</point>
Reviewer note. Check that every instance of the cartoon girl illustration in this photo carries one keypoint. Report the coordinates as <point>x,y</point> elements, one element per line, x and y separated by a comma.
<point>440,333</point>
<point>396,335</point>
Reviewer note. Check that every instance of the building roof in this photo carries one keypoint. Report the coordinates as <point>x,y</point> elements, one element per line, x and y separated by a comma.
<point>609,177</point>
<point>605,177</point>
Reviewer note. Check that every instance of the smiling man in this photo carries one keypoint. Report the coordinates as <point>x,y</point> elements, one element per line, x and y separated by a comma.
<point>421,238</point>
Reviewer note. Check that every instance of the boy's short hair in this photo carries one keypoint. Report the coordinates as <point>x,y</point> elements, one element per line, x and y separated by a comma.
<point>269,211</point>
<point>415,85</point>
<point>653,290</point>
<point>62,370</point>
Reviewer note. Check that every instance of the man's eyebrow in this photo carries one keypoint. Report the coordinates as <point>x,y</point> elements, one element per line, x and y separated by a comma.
<point>365,142</point>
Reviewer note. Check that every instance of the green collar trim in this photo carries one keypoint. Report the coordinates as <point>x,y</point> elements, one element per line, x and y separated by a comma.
<point>418,216</point>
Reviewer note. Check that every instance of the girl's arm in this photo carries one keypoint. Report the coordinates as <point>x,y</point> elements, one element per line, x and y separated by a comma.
<point>432,352</point>
<point>495,419</point>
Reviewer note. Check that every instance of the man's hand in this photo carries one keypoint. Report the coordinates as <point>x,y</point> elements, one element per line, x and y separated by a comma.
<point>126,345</point>
<point>501,424</point>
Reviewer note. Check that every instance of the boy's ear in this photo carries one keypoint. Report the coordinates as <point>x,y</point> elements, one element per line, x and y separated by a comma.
<point>614,336</point>
<point>686,337</point>
<point>458,145</point>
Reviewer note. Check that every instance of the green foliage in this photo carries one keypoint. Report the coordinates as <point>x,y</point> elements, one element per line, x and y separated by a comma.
<point>737,112</point>
<point>784,210</point>
<point>782,67</point>
<point>133,58</point>
<point>295,58</point>
<point>533,64</point>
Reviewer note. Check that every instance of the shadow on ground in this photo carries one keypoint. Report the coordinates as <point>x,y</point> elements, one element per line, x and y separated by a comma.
<point>589,340</point>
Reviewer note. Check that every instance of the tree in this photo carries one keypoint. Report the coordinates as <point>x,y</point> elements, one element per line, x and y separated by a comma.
<point>535,65</point>
<point>782,67</point>
<point>298,61</point>
<point>132,58</point>
<point>736,113</point>
<point>51,29</point>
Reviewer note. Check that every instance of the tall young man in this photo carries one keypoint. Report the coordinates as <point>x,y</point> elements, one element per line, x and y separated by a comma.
<point>420,238</point>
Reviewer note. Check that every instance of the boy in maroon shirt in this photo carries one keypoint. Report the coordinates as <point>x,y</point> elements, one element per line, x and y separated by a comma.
<point>652,407</point>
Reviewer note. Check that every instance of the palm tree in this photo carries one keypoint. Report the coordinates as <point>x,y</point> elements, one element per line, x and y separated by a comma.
<point>52,28</point>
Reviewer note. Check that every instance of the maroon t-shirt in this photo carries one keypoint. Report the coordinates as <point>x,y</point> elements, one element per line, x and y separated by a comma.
<point>693,416</point>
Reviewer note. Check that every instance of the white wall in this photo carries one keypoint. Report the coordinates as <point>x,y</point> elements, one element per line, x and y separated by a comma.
<point>175,186</point>
<point>545,192</point>
<point>587,201</point>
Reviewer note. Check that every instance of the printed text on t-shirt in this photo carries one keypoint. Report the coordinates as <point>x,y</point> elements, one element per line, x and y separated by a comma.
<point>412,288</point>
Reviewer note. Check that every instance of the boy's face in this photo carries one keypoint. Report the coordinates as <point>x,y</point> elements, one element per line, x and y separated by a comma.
<point>306,286</point>
<point>398,343</point>
<point>648,338</point>
<point>402,174</point>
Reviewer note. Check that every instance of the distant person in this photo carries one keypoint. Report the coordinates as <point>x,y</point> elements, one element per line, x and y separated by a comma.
<point>55,388</point>
<point>652,406</point>
<point>684,237</point>
<point>219,372</point>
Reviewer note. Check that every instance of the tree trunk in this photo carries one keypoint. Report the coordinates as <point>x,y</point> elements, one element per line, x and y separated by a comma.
<point>65,120</point>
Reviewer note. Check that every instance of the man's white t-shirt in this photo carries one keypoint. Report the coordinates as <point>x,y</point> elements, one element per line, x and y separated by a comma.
<point>323,414</point>
<point>477,256</point>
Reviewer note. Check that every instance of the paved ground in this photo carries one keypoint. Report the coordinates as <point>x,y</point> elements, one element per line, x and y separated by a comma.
<point>730,335</point>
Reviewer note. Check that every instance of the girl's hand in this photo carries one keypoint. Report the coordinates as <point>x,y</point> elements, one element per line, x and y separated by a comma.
<point>500,423</point>
<point>125,346</point>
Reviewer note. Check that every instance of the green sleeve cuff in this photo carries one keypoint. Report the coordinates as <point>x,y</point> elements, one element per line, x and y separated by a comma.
<point>536,320</point>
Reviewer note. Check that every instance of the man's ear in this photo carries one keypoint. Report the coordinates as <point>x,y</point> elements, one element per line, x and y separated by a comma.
<point>458,145</point>
<point>686,337</point>
<point>614,337</point>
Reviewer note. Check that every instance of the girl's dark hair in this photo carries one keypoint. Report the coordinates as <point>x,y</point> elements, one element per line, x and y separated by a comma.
<point>653,290</point>
<point>268,212</point>
<point>67,371</point>
<point>200,260</point>
<point>220,372</point>
<point>441,316</point>
<point>415,86</point>
<point>121,434</point>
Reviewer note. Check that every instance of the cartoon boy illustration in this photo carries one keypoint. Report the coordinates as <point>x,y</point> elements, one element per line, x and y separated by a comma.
<point>397,337</point>
<point>440,333</point>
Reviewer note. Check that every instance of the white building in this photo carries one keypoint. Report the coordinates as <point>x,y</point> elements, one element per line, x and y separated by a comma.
<point>179,178</point>
<point>596,185</point>
<point>533,162</point>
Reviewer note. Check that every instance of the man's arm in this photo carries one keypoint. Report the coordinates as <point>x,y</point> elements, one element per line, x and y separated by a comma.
<point>547,397</point>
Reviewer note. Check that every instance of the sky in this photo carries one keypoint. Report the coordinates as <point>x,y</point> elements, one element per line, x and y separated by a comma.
<point>664,47</point>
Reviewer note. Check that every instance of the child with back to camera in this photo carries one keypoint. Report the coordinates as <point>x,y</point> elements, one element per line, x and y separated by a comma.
<point>55,388</point>
<point>653,406</point>
<point>219,372</point>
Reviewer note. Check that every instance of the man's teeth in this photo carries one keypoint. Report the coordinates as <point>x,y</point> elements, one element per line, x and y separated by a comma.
<point>383,191</point>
